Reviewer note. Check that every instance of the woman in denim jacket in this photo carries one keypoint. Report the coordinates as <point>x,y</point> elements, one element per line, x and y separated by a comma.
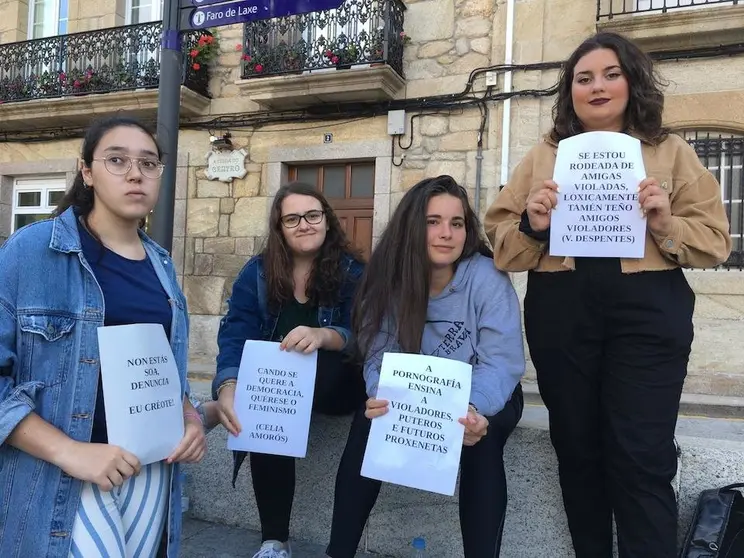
<point>299,292</point>
<point>64,491</point>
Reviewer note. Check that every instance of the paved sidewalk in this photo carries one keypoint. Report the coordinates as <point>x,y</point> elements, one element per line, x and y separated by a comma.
<point>211,540</point>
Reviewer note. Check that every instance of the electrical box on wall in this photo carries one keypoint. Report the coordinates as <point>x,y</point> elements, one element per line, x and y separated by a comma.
<point>396,122</point>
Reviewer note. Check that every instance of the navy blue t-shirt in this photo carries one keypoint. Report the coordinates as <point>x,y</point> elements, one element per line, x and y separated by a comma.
<point>132,294</point>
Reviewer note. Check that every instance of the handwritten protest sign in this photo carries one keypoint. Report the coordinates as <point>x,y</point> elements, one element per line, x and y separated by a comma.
<point>598,213</point>
<point>419,441</point>
<point>141,390</point>
<point>274,399</point>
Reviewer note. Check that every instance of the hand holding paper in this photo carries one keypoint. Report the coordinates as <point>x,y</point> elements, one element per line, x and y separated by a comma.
<point>104,465</point>
<point>376,408</point>
<point>226,409</point>
<point>303,339</point>
<point>476,426</point>
<point>193,445</point>
<point>540,202</point>
<point>655,206</point>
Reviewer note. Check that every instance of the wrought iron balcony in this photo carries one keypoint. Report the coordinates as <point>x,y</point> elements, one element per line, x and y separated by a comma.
<point>116,59</point>
<point>360,32</point>
<point>607,9</point>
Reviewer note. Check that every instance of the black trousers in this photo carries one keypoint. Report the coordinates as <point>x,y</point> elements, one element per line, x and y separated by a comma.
<point>482,487</point>
<point>339,390</point>
<point>611,353</point>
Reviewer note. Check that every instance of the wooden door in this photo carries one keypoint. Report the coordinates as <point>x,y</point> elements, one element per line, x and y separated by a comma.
<point>349,188</point>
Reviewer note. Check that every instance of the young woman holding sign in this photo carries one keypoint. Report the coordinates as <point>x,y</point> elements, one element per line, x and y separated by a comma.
<point>65,490</point>
<point>299,292</point>
<point>610,338</point>
<point>431,288</point>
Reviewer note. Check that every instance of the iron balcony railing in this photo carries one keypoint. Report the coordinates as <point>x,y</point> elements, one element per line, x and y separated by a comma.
<point>723,155</point>
<point>607,9</point>
<point>115,59</point>
<point>359,32</point>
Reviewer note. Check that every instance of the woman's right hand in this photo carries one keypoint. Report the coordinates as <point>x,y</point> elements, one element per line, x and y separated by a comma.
<point>541,200</point>
<point>104,465</point>
<point>375,408</point>
<point>226,410</point>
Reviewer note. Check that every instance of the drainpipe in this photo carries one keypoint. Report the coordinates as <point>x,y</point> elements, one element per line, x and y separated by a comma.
<point>506,124</point>
<point>479,158</point>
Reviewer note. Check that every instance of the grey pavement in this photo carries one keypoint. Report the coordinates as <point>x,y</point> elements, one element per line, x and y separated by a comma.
<point>212,540</point>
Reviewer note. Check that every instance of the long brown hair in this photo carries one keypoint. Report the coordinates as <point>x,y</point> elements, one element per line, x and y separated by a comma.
<point>326,275</point>
<point>395,285</point>
<point>643,115</point>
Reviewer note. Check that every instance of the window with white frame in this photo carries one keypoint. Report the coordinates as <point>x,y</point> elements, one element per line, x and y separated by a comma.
<point>723,155</point>
<point>663,5</point>
<point>47,18</point>
<point>34,199</point>
<point>143,11</point>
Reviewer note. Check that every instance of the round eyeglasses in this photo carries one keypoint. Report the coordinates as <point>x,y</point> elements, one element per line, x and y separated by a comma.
<point>292,220</point>
<point>122,164</point>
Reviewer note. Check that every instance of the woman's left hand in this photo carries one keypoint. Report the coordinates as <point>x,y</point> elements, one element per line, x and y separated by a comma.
<point>476,426</point>
<point>303,339</point>
<point>655,206</point>
<point>193,445</point>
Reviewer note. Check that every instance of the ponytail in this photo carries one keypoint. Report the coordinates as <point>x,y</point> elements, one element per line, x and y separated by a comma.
<point>78,196</point>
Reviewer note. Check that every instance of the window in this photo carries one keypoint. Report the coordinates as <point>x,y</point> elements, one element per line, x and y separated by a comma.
<point>350,189</point>
<point>723,155</point>
<point>47,18</point>
<point>35,199</point>
<point>663,5</point>
<point>143,11</point>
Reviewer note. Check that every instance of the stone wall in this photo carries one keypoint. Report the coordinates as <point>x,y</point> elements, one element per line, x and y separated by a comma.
<point>220,225</point>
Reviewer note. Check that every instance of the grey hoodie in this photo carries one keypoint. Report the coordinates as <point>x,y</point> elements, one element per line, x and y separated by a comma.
<point>475,319</point>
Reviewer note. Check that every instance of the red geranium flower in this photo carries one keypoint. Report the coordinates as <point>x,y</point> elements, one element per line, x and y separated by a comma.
<point>258,68</point>
<point>196,66</point>
<point>194,53</point>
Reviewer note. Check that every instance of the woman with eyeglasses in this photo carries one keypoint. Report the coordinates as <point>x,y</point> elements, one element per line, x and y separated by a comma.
<point>298,291</point>
<point>66,490</point>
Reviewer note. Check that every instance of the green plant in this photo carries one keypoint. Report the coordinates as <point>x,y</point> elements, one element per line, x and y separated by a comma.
<point>341,52</point>
<point>206,49</point>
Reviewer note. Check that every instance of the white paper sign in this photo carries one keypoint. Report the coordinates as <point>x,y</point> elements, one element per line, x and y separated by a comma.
<point>274,400</point>
<point>141,390</point>
<point>598,213</point>
<point>419,441</point>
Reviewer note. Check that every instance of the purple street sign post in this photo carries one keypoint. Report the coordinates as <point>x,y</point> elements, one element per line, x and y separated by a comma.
<point>187,15</point>
<point>212,14</point>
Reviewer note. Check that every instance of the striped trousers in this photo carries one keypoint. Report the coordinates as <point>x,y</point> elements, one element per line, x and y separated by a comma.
<point>126,522</point>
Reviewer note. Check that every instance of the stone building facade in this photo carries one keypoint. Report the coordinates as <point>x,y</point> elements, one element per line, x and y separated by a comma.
<point>451,53</point>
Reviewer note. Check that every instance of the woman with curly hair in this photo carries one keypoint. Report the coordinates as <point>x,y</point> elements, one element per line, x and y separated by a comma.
<point>609,337</point>
<point>299,292</point>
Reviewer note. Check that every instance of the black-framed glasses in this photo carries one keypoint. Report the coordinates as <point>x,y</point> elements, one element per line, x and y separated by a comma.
<point>292,220</point>
<point>122,164</point>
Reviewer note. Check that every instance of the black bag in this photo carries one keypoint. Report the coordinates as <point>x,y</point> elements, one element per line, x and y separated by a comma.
<point>717,528</point>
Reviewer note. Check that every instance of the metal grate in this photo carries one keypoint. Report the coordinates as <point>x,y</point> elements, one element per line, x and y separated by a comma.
<point>115,59</point>
<point>607,9</point>
<point>723,155</point>
<point>359,32</point>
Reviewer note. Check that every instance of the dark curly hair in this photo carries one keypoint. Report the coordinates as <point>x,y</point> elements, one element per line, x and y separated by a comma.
<point>326,276</point>
<point>643,114</point>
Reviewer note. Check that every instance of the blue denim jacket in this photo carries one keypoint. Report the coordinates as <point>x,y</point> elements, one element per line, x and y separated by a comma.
<point>50,309</point>
<point>249,317</point>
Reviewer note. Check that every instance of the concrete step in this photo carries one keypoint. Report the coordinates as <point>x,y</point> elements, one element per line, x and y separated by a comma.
<point>712,455</point>
<point>692,404</point>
